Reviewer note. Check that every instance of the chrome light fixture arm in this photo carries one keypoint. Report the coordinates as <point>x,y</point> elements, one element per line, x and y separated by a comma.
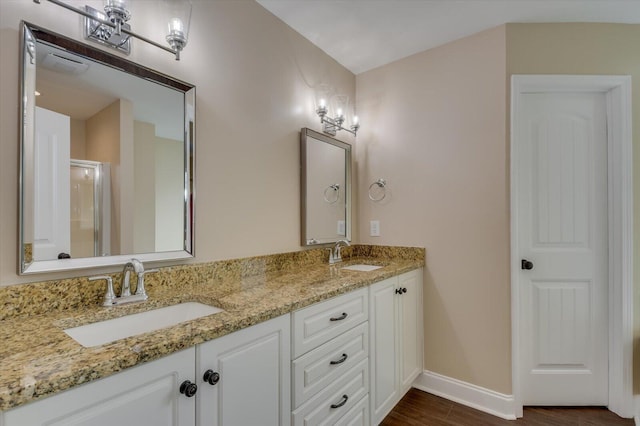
<point>332,125</point>
<point>176,47</point>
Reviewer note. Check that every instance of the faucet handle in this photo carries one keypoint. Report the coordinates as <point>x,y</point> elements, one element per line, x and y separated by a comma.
<point>140,290</point>
<point>109,296</point>
<point>331,257</point>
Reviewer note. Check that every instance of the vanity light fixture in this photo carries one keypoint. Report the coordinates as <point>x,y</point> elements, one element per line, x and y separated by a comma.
<point>332,125</point>
<point>110,27</point>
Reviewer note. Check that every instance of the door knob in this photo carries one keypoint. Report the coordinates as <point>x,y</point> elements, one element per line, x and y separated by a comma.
<point>526,265</point>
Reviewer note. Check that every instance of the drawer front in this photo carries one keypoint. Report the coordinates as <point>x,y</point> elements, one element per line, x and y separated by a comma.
<point>358,415</point>
<point>324,365</point>
<point>321,322</point>
<point>333,402</point>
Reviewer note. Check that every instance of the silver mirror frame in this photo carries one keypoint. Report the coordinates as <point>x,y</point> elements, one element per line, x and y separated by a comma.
<point>30,34</point>
<point>307,240</point>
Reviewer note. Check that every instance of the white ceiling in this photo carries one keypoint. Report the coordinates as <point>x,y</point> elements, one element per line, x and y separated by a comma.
<point>365,34</point>
<point>82,95</point>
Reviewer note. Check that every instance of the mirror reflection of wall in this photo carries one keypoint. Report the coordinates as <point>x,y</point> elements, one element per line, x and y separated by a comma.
<point>325,188</point>
<point>145,152</point>
<point>326,177</point>
<point>106,158</point>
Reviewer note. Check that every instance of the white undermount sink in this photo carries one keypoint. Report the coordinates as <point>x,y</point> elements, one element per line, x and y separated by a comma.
<point>361,268</point>
<point>99,333</point>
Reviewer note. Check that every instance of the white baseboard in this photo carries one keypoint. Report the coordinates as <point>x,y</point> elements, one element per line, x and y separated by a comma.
<point>473,396</point>
<point>636,417</point>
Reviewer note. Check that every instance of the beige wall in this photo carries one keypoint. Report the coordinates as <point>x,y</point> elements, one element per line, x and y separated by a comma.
<point>587,49</point>
<point>440,138</point>
<point>169,193</point>
<point>78,139</point>
<point>144,176</point>
<point>434,128</point>
<point>103,145</point>
<point>256,82</point>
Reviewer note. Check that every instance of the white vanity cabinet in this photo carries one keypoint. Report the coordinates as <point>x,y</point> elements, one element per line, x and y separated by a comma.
<point>244,377</point>
<point>330,369</point>
<point>344,361</point>
<point>253,387</point>
<point>396,337</point>
<point>147,394</point>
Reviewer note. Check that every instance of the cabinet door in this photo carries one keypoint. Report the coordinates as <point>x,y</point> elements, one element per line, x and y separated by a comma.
<point>411,326</point>
<point>254,377</point>
<point>144,395</point>
<point>383,355</point>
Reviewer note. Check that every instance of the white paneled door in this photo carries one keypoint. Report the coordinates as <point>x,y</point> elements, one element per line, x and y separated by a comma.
<point>52,220</point>
<point>563,240</point>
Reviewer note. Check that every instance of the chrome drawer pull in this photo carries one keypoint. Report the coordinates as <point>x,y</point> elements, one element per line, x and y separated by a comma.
<point>341,360</point>
<point>341,403</point>
<point>340,318</point>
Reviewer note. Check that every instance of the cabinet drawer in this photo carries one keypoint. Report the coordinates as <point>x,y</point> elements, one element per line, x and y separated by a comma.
<point>324,365</point>
<point>358,415</point>
<point>336,400</point>
<point>321,322</point>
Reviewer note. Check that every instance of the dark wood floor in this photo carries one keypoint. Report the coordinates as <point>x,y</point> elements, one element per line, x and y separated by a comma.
<point>424,409</point>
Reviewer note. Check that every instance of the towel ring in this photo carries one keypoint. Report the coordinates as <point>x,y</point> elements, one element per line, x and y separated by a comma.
<point>327,193</point>
<point>380,183</point>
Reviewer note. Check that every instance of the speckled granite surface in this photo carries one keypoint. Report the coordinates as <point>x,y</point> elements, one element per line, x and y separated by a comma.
<point>38,359</point>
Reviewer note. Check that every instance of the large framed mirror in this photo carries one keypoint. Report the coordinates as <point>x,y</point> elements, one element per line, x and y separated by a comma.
<point>325,188</point>
<point>106,158</point>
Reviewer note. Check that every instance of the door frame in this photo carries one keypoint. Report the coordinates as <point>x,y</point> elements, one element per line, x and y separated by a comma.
<point>617,90</point>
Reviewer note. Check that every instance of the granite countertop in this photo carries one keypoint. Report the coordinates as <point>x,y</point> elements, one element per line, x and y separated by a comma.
<point>38,359</point>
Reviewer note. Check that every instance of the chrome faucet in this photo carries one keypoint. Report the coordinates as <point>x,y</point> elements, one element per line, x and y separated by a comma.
<point>133,265</point>
<point>110,299</point>
<point>334,254</point>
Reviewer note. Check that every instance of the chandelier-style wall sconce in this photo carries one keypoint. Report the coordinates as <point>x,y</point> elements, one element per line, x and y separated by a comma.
<point>110,28</point>
<point>332,125</point>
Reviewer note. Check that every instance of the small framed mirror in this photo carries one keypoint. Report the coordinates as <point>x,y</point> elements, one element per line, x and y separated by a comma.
<point>325,188</point>
<point>106,158</point>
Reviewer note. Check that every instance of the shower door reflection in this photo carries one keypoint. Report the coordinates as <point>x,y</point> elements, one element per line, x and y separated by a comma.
<point>90,196</point>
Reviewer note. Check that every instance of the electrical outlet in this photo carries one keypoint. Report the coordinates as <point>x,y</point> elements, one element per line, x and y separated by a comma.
<point>374,228</point>
<point>341,228</point>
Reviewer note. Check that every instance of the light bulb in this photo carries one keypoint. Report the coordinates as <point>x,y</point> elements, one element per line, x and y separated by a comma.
<point>339,112</point>
<point>322,103</point>
<point>355,119</point>
<point>120,4</point>
<point>176,27</point>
